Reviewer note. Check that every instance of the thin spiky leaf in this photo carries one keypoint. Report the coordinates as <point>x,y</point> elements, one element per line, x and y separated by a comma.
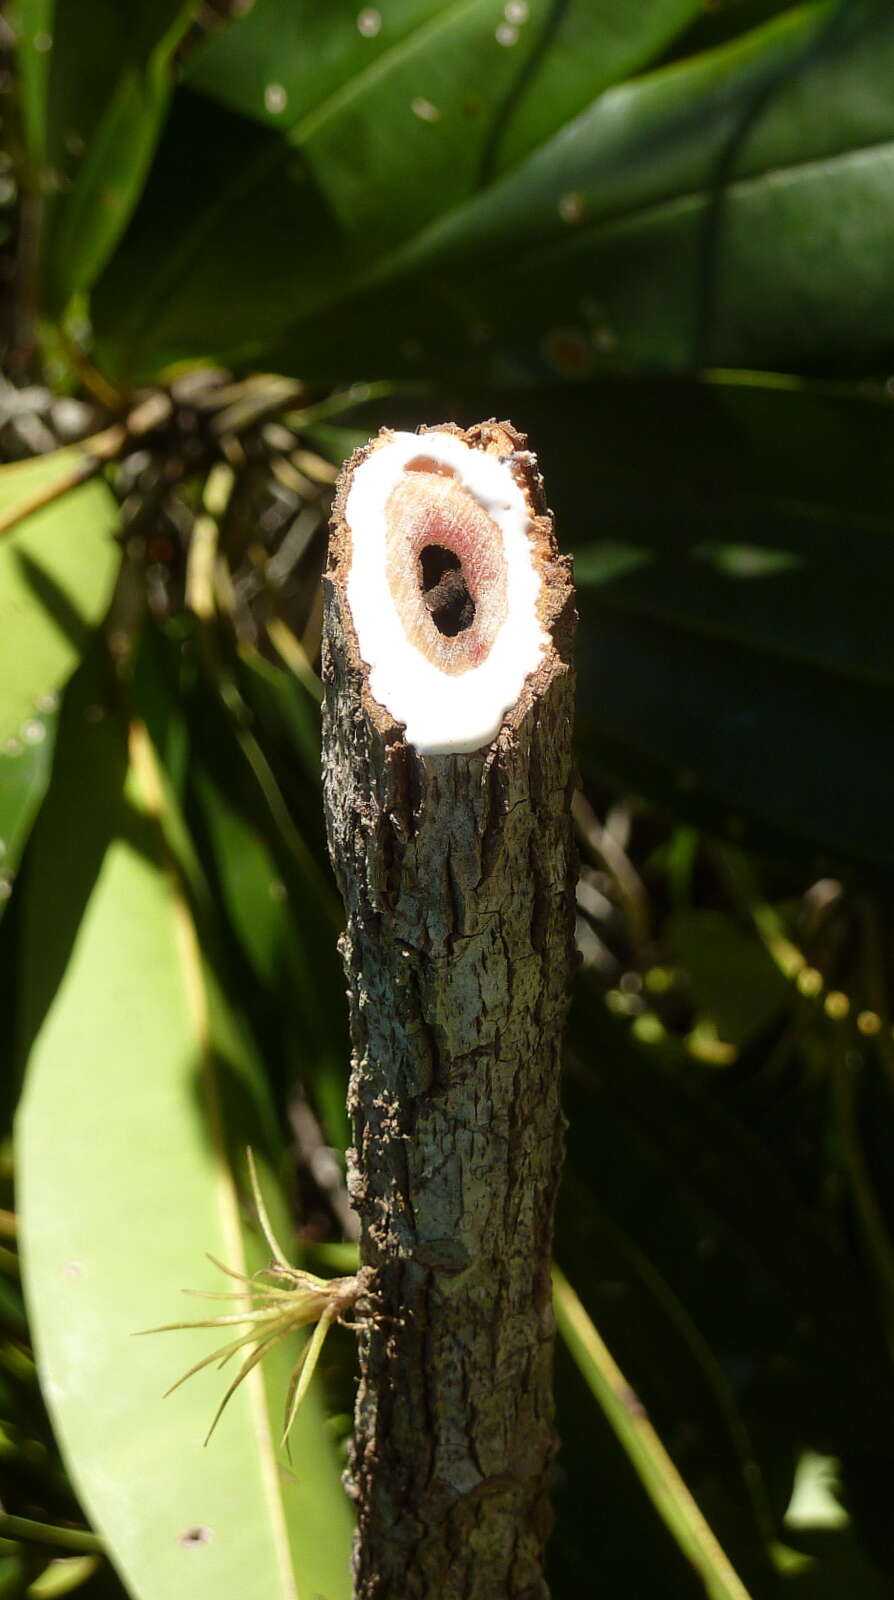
<point>261,1209</point>
<point>240,1277</point>
<point>271,1312</point>
<point>290,1395</point>
<point>208,1361</point>
<point>232,1294</point>
<point>250,1362</point>
<point>304,1369</point>
<point>217,1322</point>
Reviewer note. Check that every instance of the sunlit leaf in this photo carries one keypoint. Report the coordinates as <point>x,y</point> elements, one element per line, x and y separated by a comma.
<point>25,768</point>
<point>138,1077</point>
<point>57,570</point>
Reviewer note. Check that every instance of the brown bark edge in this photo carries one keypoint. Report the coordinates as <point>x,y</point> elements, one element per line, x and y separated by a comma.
<point>457,874</point>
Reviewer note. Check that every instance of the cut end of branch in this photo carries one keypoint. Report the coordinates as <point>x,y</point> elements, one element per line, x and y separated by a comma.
<point>445,563</point>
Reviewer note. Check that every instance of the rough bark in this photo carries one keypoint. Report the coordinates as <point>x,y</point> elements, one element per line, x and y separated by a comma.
<point>457,877</point>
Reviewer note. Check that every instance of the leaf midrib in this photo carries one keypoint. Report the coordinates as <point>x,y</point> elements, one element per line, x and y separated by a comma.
<point>814,166</point>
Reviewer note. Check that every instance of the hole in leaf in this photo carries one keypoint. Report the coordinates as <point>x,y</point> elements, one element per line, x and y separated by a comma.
<point>445,591</point>
<point>191,1537</point>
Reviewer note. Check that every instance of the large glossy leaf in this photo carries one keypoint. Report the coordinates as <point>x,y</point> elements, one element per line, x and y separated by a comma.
<point>97,79</point>
<point>717,24</point>
<point>732,208</point>
<point>141,1089</point>
<point>345,132</point>
<point>57,569</point>
<point>685,218</point>
<point>498,80</point>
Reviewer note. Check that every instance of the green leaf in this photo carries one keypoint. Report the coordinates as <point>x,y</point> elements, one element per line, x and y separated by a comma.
<point>97,81</point>
<point>688,216</point>
<point>245,754</point>
<point>141,1084</point>
<point>12,1577</point>
<point>278,932</point>
<point>34,22</point>
<point>57,570</point>
<point>496,87</point>
<point>719,23</point>
<point>333,144</point>
<point>730,210</point>
<point>25,767</point>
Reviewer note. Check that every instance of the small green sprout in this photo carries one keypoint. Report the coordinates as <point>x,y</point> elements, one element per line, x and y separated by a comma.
<point>281,1298</point>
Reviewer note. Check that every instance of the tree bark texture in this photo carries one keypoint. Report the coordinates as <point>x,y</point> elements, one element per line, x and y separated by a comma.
<point>457,873</point>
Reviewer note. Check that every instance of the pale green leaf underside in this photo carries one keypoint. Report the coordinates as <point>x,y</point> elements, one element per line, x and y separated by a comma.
<point>124,1185</point>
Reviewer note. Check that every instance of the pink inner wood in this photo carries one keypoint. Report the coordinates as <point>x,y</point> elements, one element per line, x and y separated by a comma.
<point>431,507</point>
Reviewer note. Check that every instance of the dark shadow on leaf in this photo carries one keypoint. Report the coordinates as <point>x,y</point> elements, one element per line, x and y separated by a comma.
<point>86,811</point>
<point>53,599</point>
<point>841,26</point>
<point>241,1096</point>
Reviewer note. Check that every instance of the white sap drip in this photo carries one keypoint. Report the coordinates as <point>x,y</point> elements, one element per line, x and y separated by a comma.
<point>443,713</point>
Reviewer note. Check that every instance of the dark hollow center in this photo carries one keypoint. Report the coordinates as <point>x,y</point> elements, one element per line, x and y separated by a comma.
<point>445,591</point>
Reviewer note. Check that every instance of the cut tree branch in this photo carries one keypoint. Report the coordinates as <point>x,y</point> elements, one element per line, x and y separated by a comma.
<point>448,780</point>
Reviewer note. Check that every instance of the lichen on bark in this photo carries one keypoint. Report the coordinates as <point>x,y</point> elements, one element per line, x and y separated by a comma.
<point>457,877</point>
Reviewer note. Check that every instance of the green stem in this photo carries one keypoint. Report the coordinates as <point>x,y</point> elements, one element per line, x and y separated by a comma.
<point>335,405</point>
<point>645,1451</point>
<point>45,1533</point>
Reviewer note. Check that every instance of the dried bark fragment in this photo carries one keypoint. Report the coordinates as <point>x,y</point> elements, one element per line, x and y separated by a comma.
<point>457,876</point>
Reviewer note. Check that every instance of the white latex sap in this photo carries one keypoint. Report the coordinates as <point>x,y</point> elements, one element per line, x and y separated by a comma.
<point>442,712</point>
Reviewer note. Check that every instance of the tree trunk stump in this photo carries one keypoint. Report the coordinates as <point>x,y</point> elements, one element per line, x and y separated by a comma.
<point>457,873</point>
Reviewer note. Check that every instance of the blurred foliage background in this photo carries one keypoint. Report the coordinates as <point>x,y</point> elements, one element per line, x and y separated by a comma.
<point>236,239</point>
